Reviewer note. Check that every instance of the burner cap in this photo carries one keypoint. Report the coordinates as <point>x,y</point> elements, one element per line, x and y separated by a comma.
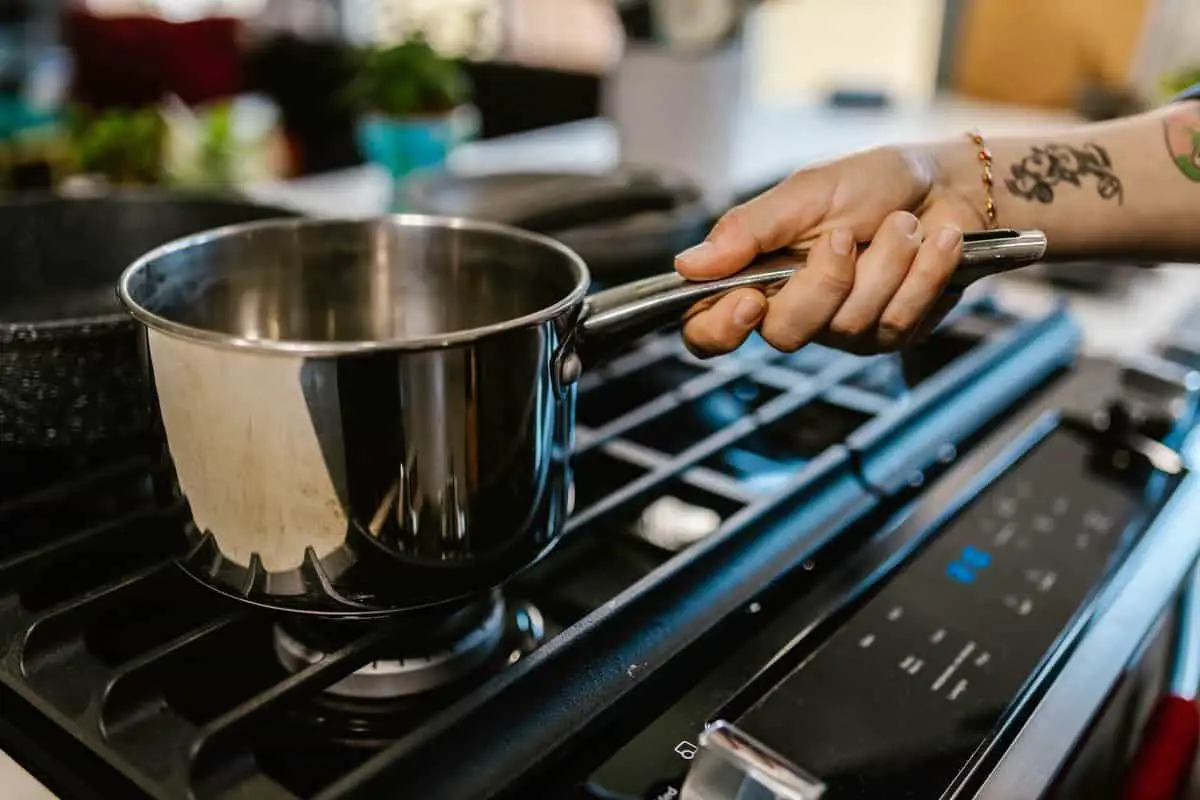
<point>439,651</point>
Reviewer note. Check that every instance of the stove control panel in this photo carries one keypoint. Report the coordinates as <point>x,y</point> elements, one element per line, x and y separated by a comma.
<point>900,698</point>
<point>897,700</point>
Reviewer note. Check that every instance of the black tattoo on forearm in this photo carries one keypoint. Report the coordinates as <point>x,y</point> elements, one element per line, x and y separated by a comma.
<point>1036,176</point>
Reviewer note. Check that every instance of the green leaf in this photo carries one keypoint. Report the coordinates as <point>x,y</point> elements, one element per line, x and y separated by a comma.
<point>408,79</point>
<point>126,145</point>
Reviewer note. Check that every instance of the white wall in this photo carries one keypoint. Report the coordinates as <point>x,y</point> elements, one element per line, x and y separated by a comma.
<point>1170,41</point>
<point>804,48</point>
<point>447,23</point>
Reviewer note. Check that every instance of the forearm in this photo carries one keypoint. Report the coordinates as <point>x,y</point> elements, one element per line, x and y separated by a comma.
<point>1128,188</point>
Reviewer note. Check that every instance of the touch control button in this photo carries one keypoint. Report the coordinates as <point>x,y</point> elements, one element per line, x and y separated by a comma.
<point>1023,606</point>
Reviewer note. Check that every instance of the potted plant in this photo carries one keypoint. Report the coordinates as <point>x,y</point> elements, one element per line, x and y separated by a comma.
<point>412,104</point>
<point>121,146</point>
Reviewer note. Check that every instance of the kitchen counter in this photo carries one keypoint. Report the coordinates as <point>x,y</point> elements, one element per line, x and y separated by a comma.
<point>17,784</point>
<point>1118,325</point>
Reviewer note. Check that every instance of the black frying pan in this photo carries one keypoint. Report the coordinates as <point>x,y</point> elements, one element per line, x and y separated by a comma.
<point>70,369</point>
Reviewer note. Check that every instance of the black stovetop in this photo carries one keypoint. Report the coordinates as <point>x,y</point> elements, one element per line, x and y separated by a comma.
<point>699,486</point>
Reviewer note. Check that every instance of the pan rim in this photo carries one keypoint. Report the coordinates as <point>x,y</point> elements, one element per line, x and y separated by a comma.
<point>118,317</point>
<point>315,348</point>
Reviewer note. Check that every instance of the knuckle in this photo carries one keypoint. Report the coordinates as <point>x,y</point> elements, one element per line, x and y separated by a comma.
<point>835,280</point>
<point>901,214</point>
<point>846,326</point>
<point>784,341</point>
<point>901,231</point>
<point>798,176</point>
<point>891,332</point>
<point>930,271</point>
<point>732,221</point>
<point>701,341</point>
<point>935,267</point>
<point>843,343</point>
<point>700,348</point>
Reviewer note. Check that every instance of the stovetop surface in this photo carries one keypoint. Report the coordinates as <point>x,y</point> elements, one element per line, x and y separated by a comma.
<point>120,676</point>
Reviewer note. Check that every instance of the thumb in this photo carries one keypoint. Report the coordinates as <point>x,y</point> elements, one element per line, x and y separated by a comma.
<point>774,219</point>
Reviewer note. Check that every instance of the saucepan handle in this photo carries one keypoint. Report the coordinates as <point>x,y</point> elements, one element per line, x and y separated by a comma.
<point>632,309</point>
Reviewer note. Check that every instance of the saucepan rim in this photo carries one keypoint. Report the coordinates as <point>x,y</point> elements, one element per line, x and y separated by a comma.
<point>311,348</point>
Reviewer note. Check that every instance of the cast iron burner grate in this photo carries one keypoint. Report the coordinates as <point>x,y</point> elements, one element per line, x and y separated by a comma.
<point>122,677</point>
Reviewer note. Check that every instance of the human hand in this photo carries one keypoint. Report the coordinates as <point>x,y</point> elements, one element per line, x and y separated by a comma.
<point>904,202</point>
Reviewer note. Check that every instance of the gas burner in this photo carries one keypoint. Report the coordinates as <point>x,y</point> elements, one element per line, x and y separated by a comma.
<point>371,721</point>
<point>438,648</point>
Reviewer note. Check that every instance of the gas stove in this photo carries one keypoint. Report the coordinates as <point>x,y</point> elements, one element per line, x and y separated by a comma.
<point>745,530</point>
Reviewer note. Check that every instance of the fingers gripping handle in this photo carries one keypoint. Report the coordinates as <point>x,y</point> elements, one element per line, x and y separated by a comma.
<point>631,309</point>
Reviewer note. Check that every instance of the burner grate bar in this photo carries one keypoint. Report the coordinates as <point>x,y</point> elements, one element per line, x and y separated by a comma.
<point>74,486</point>
<point>584,438</point>
<point>127,698</point>
<point>857,399</point>
<point>635,453</point>
<point>655,349</point>
<point>787,380</point>
<point>21,565</point>
<point>718,484</point>
<point>214,742</point>
<point>851,397</point>
<point>687,391</point>
<point>119,706</point>
<point>700,477</point>
<point>62,622</point>
<point>67,736</point>
<point>770,412</point>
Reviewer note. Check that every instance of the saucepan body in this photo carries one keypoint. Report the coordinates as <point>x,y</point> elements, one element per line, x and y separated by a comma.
<point>362,416</point>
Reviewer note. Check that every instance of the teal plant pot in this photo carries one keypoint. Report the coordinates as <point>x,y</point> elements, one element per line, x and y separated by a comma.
<point>402,145</point>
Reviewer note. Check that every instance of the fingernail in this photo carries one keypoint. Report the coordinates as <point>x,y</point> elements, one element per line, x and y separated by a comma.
<point>841,242</point>
<point>906,224</point>
<point>747,311</point>
<point>948,238</point>
<point>695,253</point>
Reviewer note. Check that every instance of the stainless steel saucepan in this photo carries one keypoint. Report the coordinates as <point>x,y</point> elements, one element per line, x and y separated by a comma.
<point>375,415</point>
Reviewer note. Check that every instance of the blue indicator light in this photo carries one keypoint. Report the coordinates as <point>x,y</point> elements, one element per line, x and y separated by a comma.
<point>960,572</point>
<point>976,557</point>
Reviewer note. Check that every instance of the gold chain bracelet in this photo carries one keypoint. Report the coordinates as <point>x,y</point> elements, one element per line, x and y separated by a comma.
<point>985,162</point>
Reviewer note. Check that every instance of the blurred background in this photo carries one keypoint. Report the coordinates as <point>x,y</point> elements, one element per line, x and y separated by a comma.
<point>236,91</point>
<point>622,127</point>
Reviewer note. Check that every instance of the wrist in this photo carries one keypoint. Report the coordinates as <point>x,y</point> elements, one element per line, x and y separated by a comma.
<point>960,172</point>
